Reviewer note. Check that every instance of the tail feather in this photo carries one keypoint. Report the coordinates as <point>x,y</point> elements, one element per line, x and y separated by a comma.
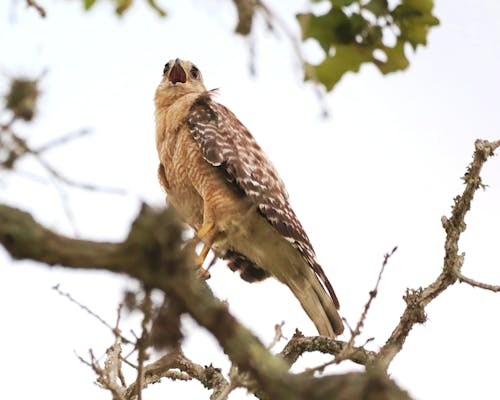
<point>256,240</point>
<point>317,303</point>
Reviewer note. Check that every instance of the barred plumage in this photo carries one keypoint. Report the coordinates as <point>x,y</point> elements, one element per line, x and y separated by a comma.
<point>226,146</point>
<point>226,143</point>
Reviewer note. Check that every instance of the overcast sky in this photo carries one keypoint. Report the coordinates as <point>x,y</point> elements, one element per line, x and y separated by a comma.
<point>379,172</point>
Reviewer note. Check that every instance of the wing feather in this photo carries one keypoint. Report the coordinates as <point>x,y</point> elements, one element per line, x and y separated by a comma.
<point>226,143</point>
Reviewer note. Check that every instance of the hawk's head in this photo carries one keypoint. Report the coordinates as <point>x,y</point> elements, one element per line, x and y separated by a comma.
<point>183,76</point>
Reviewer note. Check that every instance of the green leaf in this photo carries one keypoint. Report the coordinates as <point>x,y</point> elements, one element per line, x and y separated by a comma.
<point>396,58</point>
<point>346,58</point>
<point>358,25</point>
<point>416,32</point>
<point>377,7</point>
<point>355,39</point>
<point>326,29</point>
<point>403,11</point>
<point>424,6</point>
<point>332,28</point>
<point>414,18</point>
<point>342,3</point>
<point>373,36</point>
<point>87,4</point>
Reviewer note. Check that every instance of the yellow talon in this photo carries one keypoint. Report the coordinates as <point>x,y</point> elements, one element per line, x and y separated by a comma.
<point>203,273</point>
<point>203,254</point>
<point>205,230</point>
<point>204,235</point>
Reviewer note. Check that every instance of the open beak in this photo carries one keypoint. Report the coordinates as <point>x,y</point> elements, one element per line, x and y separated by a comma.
<point>177,73</point>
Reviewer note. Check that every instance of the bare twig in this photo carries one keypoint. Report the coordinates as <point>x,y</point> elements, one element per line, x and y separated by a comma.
<point>38,7</point>
<point>18,148</point>
<point>62,140</point>
<point>143,342</point>
<point>93,314</point>
<point>68,212</point>
<point>117,332</point>
<point>417,300</point>
<point>472,282</point>
<point>357,330</point>
<point>128,362</point>
<point>246,10</point>
<point>83,360</point>
<point>273,20</point>
<point>81,185</point>
<point>278,335</point>
<point>15,147</point>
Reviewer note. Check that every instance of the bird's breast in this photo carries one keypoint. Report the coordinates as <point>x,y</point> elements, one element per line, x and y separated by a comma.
<point>176,155</point>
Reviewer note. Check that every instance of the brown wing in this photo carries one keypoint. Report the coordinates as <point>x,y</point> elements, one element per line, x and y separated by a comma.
<point>226,143</point>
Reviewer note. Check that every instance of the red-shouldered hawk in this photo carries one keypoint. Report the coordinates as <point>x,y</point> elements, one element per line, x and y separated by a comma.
<point>222,184</point>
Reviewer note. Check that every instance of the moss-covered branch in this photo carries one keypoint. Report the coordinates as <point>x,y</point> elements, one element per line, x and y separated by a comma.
<point>152,254</point>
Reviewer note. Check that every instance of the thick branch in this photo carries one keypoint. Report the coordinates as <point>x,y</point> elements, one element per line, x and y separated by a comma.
<point>24,238</point>
<point>151,254</point>
<point>209,377</point>
<point>300,344</point>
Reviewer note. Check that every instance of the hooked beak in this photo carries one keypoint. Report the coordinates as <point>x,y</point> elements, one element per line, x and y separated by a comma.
<point>177,73</point>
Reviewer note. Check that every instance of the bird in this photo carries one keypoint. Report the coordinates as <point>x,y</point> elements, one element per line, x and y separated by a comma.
<point>222,184</point>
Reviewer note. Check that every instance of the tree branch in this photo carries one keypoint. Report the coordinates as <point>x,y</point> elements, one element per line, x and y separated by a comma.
<point>357,330</point>
<point>417,300</point>
<point>152,254</point>
<point>37,7</point>
<point>481,285</point>
<point>300,344</point>
<point>209,376</point>
<point>114,329</point>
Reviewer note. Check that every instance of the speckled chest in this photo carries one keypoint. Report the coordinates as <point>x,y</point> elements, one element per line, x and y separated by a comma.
<point>178,152</point>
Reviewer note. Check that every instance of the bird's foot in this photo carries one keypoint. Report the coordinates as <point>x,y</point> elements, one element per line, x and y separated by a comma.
<point>206,231</point>
<point>202,273</point>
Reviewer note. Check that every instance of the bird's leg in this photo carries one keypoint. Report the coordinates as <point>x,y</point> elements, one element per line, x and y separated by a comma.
<point>206,235</point>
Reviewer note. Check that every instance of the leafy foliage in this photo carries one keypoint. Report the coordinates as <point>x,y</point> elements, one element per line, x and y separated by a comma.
<point>351,33</point>
<point>354,32</point>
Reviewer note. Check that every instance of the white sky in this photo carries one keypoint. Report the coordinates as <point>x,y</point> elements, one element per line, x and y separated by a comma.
<point>380,172</point>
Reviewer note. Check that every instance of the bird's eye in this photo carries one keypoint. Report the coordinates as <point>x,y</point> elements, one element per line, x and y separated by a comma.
<point>195,72</point>
<point>166,68</point>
